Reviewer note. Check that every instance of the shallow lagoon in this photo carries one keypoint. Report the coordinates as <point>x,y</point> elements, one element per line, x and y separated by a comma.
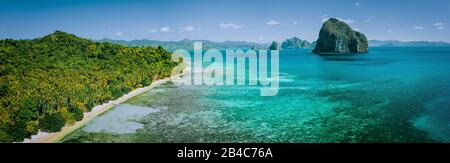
<point>389,95</point>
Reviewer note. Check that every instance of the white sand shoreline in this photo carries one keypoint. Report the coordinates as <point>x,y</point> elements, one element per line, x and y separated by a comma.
<point>44,137</point>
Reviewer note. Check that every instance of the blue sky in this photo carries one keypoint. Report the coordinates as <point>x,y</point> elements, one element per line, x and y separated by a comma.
<point>220,20</point>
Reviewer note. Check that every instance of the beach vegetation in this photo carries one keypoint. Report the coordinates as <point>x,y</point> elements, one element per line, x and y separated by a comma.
<point>50,81</point>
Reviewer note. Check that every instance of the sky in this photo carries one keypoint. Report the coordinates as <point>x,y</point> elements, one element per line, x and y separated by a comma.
<point>221,20</point>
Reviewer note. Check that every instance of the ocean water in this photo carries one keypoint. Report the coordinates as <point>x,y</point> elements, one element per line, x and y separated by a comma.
<point>392,94</point>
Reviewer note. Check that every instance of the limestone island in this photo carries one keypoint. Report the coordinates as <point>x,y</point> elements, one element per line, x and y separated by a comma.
<point>275,46</point>
<point>338,38</point>
<point>295,43</point>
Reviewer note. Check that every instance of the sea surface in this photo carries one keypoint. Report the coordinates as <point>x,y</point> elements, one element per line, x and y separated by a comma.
<point>392,94</point>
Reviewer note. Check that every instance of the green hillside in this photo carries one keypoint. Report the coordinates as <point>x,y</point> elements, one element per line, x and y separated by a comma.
<point>48,82</point>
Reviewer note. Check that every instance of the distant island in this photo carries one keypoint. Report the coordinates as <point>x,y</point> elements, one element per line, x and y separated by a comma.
<point>275,46</point>
<point>295,43</point>
<point>336,37</point>
<point>290,43</point>
<point>395,43</point>
<point>188,44</point>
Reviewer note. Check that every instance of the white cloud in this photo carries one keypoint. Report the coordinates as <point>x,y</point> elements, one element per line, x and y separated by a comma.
<point>119,34</point>
<point>230,25</point>
<point>153,30</point>
<point>348,21</point>
<point>418,27</point>
<point>165,29</point>
<point>356,29</point>
<point>189,28</point>
<point>357,4</point>
<point>272,22</point>
<point>438,24</point>
<point>389,31</point>
<point>294,22</point>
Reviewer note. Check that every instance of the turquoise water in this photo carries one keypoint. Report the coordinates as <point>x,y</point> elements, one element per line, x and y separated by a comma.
<point>389,95</point>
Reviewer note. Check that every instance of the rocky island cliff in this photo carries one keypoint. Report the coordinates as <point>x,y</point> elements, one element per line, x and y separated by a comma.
<point>275,46</point>
<point>336,37</point>
<point>295,43</point>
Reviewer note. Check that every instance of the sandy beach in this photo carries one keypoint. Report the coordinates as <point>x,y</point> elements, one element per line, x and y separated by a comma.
<point>44,137</point>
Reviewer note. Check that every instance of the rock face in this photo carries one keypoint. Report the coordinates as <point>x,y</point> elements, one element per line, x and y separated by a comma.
<point>337,37</point>
<point>295,43</point>
<point>275,46</point>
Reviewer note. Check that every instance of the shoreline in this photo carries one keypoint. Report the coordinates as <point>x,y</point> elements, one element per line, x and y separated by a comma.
<point>45,137</point>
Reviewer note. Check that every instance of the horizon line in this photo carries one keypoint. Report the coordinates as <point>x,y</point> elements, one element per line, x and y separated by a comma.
<point>247,41</point>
